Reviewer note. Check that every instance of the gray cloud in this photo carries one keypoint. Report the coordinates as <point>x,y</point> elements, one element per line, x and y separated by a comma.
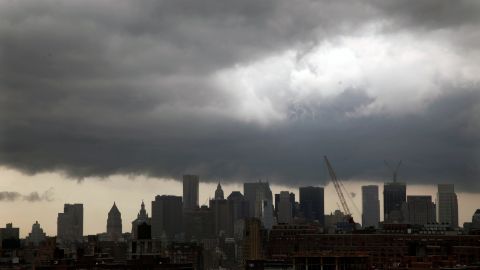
<point>34,196</point>
<point>96,89</point>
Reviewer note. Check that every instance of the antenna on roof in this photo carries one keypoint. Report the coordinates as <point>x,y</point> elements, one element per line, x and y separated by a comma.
<point>394,171</point>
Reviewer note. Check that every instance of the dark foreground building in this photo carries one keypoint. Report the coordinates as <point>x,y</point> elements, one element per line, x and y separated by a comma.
<point>384,251</point>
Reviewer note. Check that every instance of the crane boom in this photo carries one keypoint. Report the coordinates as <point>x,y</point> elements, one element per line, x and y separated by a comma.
<point>338,188</point>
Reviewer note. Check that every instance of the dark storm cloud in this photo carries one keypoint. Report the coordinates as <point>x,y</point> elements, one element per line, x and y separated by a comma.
<point>124,87</point>
<point>34,196</point>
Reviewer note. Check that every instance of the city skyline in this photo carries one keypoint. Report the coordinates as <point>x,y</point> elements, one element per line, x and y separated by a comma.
<point>93,212</point>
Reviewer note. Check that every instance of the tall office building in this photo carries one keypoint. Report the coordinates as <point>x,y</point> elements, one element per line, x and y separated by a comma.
<point>114,223</point>
<point>70,224</point>
<point>370,206</point>
<point>394,195</point>
<point>240,205</point>
<point>223,216</point>
<point>167,217</point>
<point>255,193</point>
<point>190,192</point>
<point>447,205</point>
<point>312,204</point>
<point>284,208</point>
<point>419,210</point>
<point>292,201</point>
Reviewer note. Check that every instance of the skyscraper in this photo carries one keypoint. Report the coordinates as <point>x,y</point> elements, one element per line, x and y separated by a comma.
<point>167,217</point>
<point>292,201</point>
<point>255,193</point>
<point>70,224</point>
<point>312,203</point>
<point>419,210</point>
<point>219,192</point>
<point>114,223</point>
<point>190,192</point>
<point>394,195</point>
<point>240,205</point>
<point>284,208</point>
<point>447,205</point>
<point>223,216</point>
<point>142,219</point>
<point>370,206</point>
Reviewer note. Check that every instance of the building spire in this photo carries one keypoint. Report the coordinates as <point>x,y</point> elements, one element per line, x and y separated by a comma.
<point>219,192</point>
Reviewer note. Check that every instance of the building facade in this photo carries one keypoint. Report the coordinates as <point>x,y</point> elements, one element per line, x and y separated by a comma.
<point>419,210</point>
<point>284,208</point>
<point>253,239</point>
<point>292,201</point>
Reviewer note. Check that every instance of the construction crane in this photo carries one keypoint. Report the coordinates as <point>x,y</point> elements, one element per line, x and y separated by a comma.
<point>394,171</point>
<point>338,187</point>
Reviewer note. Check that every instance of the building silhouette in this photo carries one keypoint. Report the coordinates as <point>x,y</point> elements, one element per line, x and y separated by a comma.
<point>292,201</point>
<point>312,204</point>
<point>114,223</point>
<point>167,217</point>
<point>10,237</point>
<point>36,236</point>
<point>190,192</point>
<point>200,224</point>
<point>447,205</point>
<point>267,214</point>
<point>419,210</point>
<point>476,217</point>
<point>223,216</point>
<point>284,208</point>
<point>253,239</point>
<point>333,219</point>
<point>240,205</point>
<point>70,224</point>
<point>219,192</point>
<point>142,218</point>
<point>394,195</point>
<point>370,206</point>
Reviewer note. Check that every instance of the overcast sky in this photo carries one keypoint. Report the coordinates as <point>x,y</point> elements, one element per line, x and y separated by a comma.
<point>240,90</point>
